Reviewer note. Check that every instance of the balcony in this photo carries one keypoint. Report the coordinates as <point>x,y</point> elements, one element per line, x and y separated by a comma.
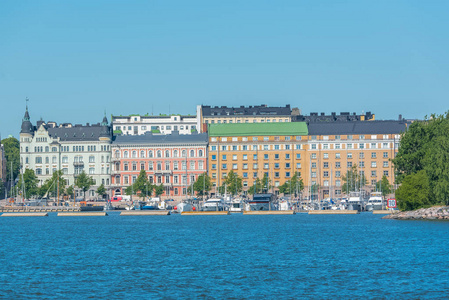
<point>78,163</point>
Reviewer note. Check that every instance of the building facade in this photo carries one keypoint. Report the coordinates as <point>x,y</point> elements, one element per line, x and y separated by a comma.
<point>250,114</point>
<point>137,125</point>
<point>173,160</point>
<point>277,150</point>
<point>335,148</point>
<point>48,147</point>
<point>321,153</point>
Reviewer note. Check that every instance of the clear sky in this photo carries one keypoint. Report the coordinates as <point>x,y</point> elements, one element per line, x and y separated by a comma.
<point>76,59</point>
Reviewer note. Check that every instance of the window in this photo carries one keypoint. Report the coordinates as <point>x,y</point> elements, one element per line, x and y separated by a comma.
<point>223,166</point>
<point>313,146</point>
<point>150,154</point>
<point>150,166</point>
<point>287,156</point>
<point>385,164</point>
<point>192,165</point>
<point>361,155</point>
<point>245,175</point>
<point>337,146</point>
<point>314,165</point>
<point>91,170</point>
<point>234,157</point>
<point>276,165</point>
<point>287,165</point>
<point>337,155</point>
<point>234,148</point>
<point>265,147</point>
<point>337,164</point>
<point>326,165</point>
<point>38,160</point>
<point>167,153</point>
<point>254,156</point>
<point>361,146</point>
<point>214,157</point>
<point>276,147</point>
<point>313,174</point>
<point>287,174</point>
<point>298,147</point>
<point>223,157</point>
<point>337,183</point>
<point>192,153</point>
<point>337,174</point>
<point>362,164</point>
<point>167,165</point>
<point>234,166</point>
<point>245,157</point>
<point>326,174</point>
<point>65,159</point>
<point>265,156</point>
<point>373,164</point>
<point>298,165</point>
<point>349,155</point>
<point>373,173</point>
<point>265,166</point>
<point>386,173</point>
<point>385,155</point>
<point>91,159</point>
<point>384,145</point>
<point>325,155</point>
<point>142,166</point>
<point>373,155</point>
<point>313,156</point>
<point>349,164</point>
<point>245,166</point>
<point>298,156</point>
<point>325,146</point>
<point>200,153</point>
<point>214,166</point>
<point>326,182</point>
<point>276,155</point>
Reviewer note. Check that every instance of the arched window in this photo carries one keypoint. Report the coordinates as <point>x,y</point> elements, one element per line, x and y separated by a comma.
<point>134,154</point>
<point>117,154</point>
<point>200,153</point>
<point>184,153</point>
<point>175,153</point>
<point>150,153</point>
<point>125,154</point>
<point>142,154</point>
<point>47,149</point>
<point>192,153</point>
<point>167,153</point>
<point>159,153</point>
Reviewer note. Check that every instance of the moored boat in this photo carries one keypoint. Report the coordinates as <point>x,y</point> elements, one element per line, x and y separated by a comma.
<point>262,202</point>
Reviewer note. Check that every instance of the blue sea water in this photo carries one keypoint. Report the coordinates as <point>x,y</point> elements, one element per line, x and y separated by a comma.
<point>218,257</point>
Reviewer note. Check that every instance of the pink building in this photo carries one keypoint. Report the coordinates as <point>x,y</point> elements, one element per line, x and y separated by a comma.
<point>173,160</point>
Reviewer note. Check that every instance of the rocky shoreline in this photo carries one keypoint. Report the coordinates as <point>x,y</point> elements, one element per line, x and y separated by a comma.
<point>431,213</point>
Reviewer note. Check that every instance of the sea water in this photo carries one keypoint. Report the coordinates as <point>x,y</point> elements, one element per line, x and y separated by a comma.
<point>216,257</point>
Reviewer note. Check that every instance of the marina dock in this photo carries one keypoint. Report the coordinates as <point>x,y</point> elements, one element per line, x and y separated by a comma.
<point>333,212</point>
<point>22,214</point>
<point>83,214</point>
<point>145,213</point>
<point>384,212</point>
<point>269,212</point>
<point>205,213</point>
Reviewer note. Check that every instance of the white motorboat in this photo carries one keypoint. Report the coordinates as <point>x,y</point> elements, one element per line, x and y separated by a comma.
<point>284,204</point>
<point>214,204</point>
<point>375,202</point>
<point>183,206</point>
<point>236,206</point>
<point>355,201</point>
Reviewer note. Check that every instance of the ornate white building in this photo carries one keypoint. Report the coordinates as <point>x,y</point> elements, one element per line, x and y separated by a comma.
<point>48,147</point>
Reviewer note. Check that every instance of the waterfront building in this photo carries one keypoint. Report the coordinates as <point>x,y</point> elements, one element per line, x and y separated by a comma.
<point>314,117</point>
<point>162,124</point>
<point>174,160</point>
<point>253,150</point>
<point>334,148</point>
<point>47,147</point>
<point>244,114</point>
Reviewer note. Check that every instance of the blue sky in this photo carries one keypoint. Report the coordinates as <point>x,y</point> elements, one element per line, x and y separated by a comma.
<point>76,59</point>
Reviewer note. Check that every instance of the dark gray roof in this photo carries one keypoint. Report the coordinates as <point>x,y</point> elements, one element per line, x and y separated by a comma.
<point>145,139</point>
<point>333,117</point>
<point>80,132</point>
<point>358,127</point>
<point>256,110</point>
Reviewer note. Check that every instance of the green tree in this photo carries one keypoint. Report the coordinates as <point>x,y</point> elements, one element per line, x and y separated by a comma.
<point>202,185</point>
<point>384,186</point>
<point>69,191</point>
<point>84,182</point>
<point>101,190</point>
<point>51,185</point>
<point>414,191</point>
<point>256,188</point>
<point>159,190</point>
<point>2,188</point>
<point>295,184</point>
<point>142,184</point>
<point>30,182</point>
<point>353,180</point>
<point>232,184</point>
<point>12,154</point>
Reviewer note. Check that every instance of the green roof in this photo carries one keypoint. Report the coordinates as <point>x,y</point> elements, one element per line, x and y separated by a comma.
<point>258,129</point>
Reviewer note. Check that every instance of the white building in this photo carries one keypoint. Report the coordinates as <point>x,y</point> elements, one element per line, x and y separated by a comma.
<point>163,124</point>
<point>47,147</point>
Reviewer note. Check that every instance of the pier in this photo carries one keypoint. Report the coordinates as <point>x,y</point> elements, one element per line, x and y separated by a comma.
<point>205,213</point>
<point>22,214</point>
<point>83,214</point>
<point>383,212</point>
<point>145,213</point>
<point>333,212</point>
<point>269,212</point>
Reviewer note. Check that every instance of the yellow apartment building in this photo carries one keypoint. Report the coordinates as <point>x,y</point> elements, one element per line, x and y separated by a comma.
<point>254,149</point>
<point>321,153</point>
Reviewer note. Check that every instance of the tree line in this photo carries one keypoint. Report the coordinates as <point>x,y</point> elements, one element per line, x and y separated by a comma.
<point>422,164</point>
